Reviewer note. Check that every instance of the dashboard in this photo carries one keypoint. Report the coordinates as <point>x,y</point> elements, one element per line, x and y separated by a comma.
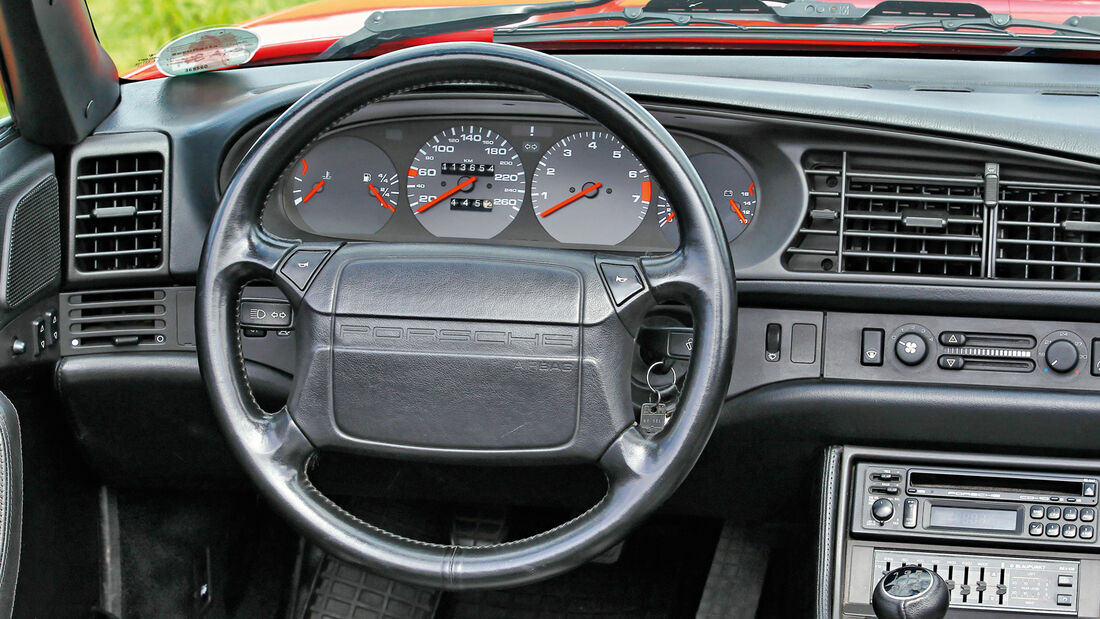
<point>506,179</point>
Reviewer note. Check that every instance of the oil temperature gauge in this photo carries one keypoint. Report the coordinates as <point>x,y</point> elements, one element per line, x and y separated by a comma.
<point>343,184</point>
<point>732,190</point>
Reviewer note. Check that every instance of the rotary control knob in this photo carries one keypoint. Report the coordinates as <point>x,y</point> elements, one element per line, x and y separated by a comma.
<point>882,510</point>
<point>1061,356</point>
<point>911,348</point>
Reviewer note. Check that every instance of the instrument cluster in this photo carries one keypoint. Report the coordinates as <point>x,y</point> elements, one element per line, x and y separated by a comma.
<point>553,183</point>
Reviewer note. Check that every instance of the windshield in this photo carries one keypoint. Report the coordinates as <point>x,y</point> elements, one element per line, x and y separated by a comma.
<point>292,31</point>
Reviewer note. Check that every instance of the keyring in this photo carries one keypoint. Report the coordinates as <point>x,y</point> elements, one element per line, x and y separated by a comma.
<point>650,384</point>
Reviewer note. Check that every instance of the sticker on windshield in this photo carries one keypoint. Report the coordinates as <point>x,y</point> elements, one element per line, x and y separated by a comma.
<point>207,50</point>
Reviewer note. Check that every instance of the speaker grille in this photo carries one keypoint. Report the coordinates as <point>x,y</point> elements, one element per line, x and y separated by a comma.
<point>34,254</point>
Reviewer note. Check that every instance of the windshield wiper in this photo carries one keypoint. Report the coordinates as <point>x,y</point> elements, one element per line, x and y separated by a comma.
<point>954,16</point>
<point>385,26</point>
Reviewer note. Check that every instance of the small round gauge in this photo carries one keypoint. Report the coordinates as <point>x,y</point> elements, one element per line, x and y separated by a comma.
<point>731,189</point>
<point>466,182</point>
<point>590,189</point>
<point>344,184</point>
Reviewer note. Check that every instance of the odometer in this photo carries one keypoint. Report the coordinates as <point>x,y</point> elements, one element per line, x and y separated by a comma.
<point>466,182</point>
<point>590,189</point>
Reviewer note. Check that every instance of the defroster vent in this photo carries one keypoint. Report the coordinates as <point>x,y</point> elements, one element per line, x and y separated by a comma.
<point>898,216</point>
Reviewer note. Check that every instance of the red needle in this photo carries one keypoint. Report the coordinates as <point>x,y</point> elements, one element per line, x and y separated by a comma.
<point>381,200</point>
<point>671,216</point>
<point>571,199</point>
<point>740,215</point>
<point>446,194</point>
<point>315,189</point>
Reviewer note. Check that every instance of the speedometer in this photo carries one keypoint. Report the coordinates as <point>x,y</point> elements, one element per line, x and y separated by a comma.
<point>466,182</point>
<point>590,189</point>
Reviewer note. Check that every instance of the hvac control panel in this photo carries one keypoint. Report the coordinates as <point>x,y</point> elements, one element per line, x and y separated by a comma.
<point>1014,353</point>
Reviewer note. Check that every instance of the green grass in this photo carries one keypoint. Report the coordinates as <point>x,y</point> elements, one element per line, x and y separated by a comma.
<point>132,31</point>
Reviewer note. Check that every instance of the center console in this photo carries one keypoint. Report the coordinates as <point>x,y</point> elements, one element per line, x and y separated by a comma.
<point>1010,536</point>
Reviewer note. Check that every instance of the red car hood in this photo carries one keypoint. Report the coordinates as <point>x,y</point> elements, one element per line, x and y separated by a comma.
<point>300,33</point>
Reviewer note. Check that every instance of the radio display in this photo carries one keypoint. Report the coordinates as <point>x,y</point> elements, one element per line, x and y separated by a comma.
<point>973,518</point>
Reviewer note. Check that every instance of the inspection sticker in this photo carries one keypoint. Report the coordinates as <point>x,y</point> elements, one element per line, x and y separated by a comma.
<point>207,50</point>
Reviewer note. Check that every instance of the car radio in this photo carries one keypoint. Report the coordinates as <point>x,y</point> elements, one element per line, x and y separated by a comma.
<point>944,502</point>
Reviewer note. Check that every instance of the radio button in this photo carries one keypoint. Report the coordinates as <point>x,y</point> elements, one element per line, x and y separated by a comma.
<point>1065,580</point>
<point>1069,513</point>
<point>1064,599</point>
<point>1069,531</point>
<point>1054,512</point>
<point>1086,531</point>
<point>1088,514</point>
<point>1090,489</point>
<point>909,514</point>
<point>1053,530</point>
<point>1037,511</point>
<point>1035,529</point>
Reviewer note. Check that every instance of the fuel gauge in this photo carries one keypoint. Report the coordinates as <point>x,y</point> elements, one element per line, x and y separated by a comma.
<point>343,184</point>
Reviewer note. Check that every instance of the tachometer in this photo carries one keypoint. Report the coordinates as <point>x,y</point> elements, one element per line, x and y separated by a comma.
<point>344,183</point>
<point>466,182</point>
<point>590,189</point>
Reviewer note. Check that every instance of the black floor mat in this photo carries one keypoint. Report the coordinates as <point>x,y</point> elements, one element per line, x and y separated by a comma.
<point>660,575</point>
<point>164,538</point>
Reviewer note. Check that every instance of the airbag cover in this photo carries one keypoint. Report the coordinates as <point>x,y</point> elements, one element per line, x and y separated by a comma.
<point>457,353</point>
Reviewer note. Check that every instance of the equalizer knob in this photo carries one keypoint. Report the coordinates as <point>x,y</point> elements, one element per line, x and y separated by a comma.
<point>1061,356</point>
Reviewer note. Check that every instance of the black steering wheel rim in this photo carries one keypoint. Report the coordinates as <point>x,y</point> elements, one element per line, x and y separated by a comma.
<point>642,471</point>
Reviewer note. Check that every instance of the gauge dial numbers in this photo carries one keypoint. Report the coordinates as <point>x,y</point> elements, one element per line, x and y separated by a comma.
<point>466,182</point>
<point>732,190</point>
<point>341,177</point>
<point>589,189</point>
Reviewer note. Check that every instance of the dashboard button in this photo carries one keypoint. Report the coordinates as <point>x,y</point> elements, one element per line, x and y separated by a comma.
<point>1088,514</point>
<point>911,349</point>
<point>882,510</point>
<point>1037,511</point>
<point>302,265</point>
<point>1096,357</point>
<point>952,338</point>
<point>1053,529</point>
<point>773,340</point>
<point>680,342</point>
<point>871,347</point>
<point>1035,529</point>
<point>803,343</point>
<point>623,280</point>
<point>1061,356</point>
<point>951,362</point>
<point>1064,599</point>
<point>1065,580</point>
<point>1069,531</point>
<point>1086,531</point>
<point>1069,513</point>
<point>1054,512</point>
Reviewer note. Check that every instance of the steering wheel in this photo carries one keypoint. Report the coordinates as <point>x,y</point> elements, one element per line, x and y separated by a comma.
<point>465,352</point>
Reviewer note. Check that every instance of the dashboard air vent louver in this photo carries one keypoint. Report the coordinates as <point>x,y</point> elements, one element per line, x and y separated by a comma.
<point>1047,229</point>
<point>119,216</point>
<point>897,216</point>
<point>114,319</point>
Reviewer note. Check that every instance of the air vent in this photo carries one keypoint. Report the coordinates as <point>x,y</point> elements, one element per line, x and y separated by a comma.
<point>899,216</point>
<point>119,206</point>
<point>118,319</point>
<point>1047,230</point>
